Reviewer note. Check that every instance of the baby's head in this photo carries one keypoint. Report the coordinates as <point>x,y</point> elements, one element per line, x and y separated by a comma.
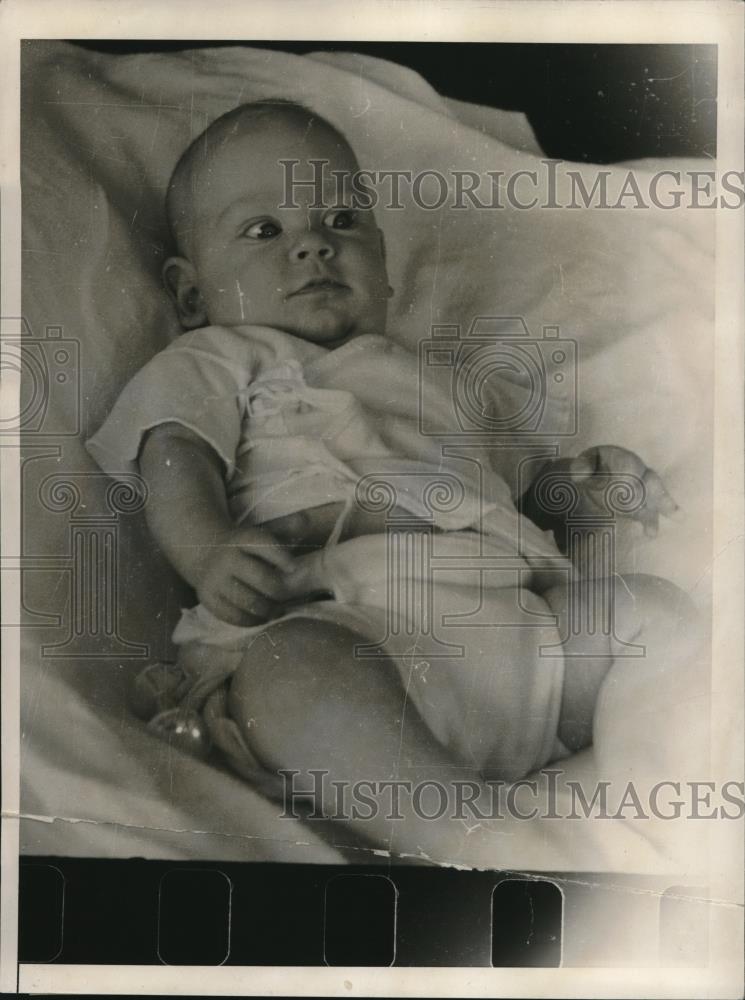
<point>317,273</point>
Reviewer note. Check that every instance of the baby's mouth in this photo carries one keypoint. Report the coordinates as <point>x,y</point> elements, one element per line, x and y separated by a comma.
<point>319,286</point>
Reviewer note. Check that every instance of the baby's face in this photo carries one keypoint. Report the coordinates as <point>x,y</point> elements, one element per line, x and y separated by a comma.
<point>317,273</point>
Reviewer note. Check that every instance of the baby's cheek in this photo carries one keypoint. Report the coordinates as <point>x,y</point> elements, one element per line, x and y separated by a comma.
<point>220,300</point>
<point>225,290</point>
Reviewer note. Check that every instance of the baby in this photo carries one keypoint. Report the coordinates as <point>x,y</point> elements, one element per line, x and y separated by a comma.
<point>258,432</point>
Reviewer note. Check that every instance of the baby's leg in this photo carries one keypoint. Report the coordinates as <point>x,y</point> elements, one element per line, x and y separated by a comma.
<point>633,699</point>
<point>305,703</point>
<point>656,710</point>
<point>466,647</point>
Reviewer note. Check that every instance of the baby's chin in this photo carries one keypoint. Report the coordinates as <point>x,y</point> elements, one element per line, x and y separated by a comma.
<point>326,330</point>
<point>327,338</point>
<point>326,327</point>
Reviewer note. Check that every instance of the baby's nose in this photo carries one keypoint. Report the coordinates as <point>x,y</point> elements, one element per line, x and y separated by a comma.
<point>313,245</point>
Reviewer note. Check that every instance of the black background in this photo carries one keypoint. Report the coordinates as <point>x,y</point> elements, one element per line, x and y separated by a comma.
<point>138,912</point>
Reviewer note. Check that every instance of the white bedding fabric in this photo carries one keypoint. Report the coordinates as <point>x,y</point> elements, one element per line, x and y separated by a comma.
<point>633,288</point>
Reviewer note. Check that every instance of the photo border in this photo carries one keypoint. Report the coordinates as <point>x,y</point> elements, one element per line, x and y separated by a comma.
<point>617,21</point>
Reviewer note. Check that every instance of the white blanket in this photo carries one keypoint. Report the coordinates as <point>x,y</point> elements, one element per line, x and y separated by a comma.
<point>633,288</point>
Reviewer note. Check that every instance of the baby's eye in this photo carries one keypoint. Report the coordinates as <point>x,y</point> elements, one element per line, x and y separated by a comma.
<point>263,230</point>
<point>343,218</point>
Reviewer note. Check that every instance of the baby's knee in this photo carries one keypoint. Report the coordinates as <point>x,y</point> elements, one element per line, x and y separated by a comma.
<point>292,668</point>
<point>653,708</point>
<point>651,606</point>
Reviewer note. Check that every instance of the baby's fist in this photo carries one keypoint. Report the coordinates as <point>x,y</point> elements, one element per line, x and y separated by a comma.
<point>611,479</point>
<point>241,578</point>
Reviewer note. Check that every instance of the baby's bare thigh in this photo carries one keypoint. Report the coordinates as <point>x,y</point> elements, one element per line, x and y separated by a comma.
<point>616,631</point>
<point>654,609</point>
<point>294,669</point>
<point>652,708</point>
<point>617,609</point>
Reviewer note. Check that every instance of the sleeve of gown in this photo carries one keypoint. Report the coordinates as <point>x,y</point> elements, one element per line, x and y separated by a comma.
<point>196,382</point>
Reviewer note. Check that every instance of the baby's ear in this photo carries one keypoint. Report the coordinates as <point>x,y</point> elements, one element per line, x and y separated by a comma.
<point>180,280</point>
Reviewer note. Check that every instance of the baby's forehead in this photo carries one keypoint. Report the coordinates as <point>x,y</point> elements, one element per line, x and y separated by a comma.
<point>281,136</point>
<point>246,152</point>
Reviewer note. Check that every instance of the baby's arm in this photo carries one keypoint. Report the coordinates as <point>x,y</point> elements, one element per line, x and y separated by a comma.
<point>232,569</point>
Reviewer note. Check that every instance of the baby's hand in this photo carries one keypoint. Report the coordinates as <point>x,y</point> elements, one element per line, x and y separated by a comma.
<point>593,472</point>
<point>241,578</point>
